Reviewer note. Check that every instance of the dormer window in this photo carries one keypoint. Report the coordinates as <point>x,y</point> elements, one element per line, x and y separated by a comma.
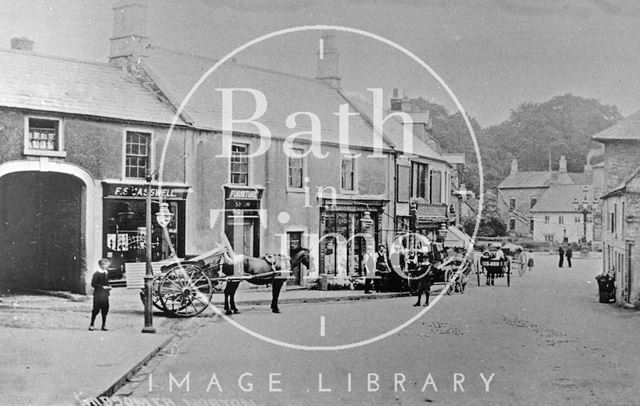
<point>43,136</point>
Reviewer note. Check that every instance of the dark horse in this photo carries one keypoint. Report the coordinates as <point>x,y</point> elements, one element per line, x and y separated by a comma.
<point>268,265</point>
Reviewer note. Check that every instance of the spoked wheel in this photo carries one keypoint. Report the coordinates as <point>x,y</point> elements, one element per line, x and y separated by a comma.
<point>185,291</point>
<point>157,302</point>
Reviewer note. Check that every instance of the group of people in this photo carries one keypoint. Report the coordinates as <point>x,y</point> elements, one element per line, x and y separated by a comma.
<point>564,251</point>
<point>418,267</point>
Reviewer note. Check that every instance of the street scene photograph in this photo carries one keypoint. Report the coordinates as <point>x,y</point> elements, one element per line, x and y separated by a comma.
<point>214,202</point>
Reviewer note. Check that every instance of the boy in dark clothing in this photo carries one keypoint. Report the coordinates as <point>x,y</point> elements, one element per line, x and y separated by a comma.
<point>560,256</point>
<point>100,284</point>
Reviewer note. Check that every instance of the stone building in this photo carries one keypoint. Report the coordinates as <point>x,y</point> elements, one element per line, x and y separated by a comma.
<point>78,139</point>
<point>621,207</point>
<point>539,204</point>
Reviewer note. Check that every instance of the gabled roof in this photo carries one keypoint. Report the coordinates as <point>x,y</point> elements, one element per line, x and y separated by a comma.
<point>39,82</point>
<point>622,185</point>
<point>176,73</point>
<point>393,127</point>
<point>627,129</point>
<point>559,198</point>
<point>526,179</point>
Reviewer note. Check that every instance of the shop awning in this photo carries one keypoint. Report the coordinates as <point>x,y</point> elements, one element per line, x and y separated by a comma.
<point>457,238</point>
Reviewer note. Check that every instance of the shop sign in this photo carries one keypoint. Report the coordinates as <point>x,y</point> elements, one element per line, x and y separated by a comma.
<point>243,194</point>
<point>243,202</point>
<point>133,190</point>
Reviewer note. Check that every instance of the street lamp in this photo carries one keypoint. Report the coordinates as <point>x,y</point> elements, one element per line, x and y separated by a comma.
<point>163,217</point>
<point>585,207</point>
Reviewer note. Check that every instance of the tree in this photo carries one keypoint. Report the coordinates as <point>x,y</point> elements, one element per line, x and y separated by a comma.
<point>539,133</point>
<point>491,224</point>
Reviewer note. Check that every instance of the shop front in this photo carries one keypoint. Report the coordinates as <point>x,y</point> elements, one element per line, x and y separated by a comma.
<point>426,219</point>
<point>344,231</point>
<point>242,219</point>
<point>124,229</point>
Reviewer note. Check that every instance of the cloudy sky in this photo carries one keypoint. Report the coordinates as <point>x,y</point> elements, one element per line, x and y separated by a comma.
<point>493,54</point>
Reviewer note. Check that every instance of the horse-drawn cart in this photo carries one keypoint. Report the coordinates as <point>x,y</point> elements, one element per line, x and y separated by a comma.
<point>494,268</point>
<point>185,288</point>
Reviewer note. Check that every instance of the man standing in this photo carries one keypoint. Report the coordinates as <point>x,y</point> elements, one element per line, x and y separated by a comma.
<point>560,256</point>
<point>568,253</point>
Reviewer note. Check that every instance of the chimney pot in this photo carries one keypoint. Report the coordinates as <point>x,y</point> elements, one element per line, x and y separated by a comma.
<point>514,166</point>
<point>22,44</point>
<point>562,164</point>
<point>328,61</point>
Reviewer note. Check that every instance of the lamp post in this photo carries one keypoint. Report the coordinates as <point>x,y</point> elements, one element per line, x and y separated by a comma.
<point>148,275</point>
<point>585,207</point>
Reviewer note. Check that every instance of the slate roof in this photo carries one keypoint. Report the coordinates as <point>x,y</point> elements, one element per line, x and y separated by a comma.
<point>627,129</point>
<point>622,185</point>
<point>526,179</point>
<point>559,198</point>
<point>33,81</point>
<point>176,73</point>
<point>393,128</point>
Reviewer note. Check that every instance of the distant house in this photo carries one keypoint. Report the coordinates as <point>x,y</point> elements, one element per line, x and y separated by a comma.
<point>539,204</point>
<point>554,216</point>
<point>621,206</point>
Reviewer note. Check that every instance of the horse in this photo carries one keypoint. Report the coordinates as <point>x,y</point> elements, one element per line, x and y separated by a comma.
<point>268,265</point>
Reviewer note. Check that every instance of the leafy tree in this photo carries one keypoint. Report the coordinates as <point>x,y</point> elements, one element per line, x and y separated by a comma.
<point>534,133</point>
<point>491,224</point>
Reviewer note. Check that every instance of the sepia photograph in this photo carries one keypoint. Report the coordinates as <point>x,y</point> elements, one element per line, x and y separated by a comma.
<point>319,202</point>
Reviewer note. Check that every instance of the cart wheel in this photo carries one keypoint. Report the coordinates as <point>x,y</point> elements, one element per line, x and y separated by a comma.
<point>508,274</point>
<point>157,302</point>
<point>185,291</point>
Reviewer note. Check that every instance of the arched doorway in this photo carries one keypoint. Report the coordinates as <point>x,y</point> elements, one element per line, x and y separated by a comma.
<point>41,231</point>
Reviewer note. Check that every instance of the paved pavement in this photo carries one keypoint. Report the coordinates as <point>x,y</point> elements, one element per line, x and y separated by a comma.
<point>50,358</point>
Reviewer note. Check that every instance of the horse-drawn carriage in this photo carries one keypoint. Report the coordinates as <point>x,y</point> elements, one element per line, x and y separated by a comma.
<point>494,268</point>
<point>450,271</point>
<point>185,288</point>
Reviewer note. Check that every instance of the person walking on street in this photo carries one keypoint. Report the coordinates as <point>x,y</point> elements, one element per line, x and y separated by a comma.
<point>560,256</point>
<point>568,253</point>
<point>101,288</point>
<point>530,261</point>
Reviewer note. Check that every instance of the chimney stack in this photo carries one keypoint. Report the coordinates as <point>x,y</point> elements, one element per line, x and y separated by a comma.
<point>396,101</point>
<point>21,44</point>
<point>129,38</point>
<point>328,61</point>
<point>562,164</point>
<point>514,166</point>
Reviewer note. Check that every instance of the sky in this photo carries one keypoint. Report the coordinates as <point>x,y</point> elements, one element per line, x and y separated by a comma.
<point>492,54</point>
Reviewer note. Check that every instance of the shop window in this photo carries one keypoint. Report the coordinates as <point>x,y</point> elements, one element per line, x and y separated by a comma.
<point>296,170</point>
<point>419,180</point>
<point>348,173</point>
<point>125,231</point>
<point>239,164</point>
<point>138,154</point>
<point>43,136</point>
<point>435,183</point>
